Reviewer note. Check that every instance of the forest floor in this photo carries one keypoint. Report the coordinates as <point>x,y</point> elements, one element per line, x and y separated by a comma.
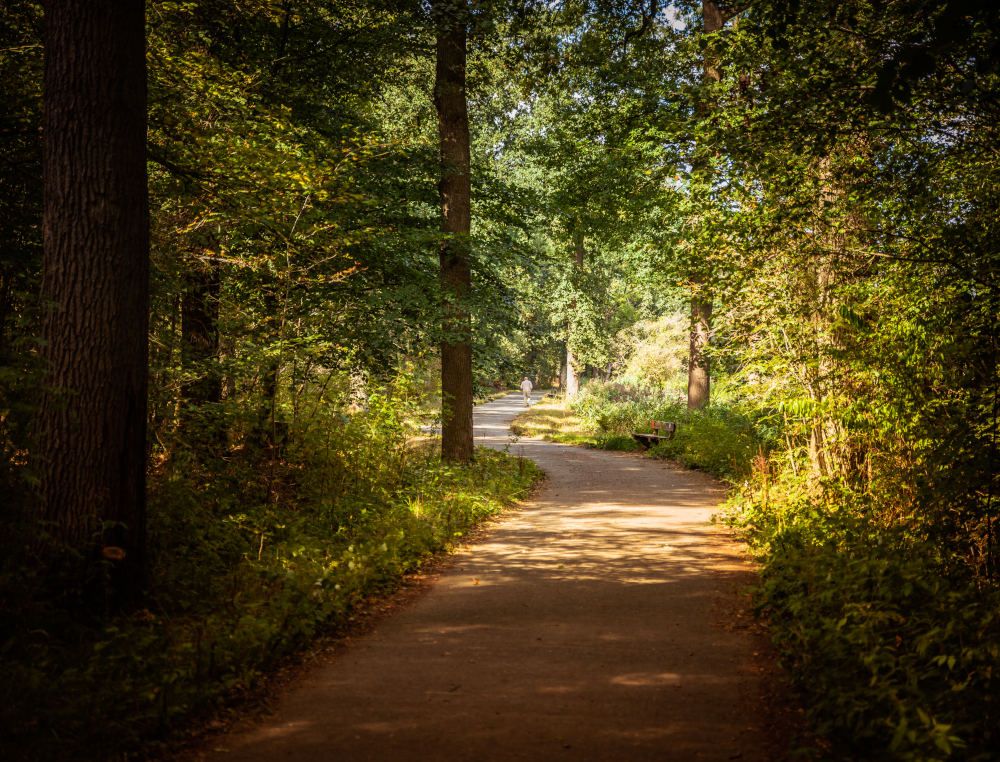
<point>606,620</point>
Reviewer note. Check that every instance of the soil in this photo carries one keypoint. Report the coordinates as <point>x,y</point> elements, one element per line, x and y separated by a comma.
<point>605,620</point>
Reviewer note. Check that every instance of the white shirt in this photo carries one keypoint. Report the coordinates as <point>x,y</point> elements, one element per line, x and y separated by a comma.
<point>526,386</point>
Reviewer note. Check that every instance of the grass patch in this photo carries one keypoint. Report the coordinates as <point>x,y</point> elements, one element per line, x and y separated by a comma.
<point>718,440</point>
<point>721,439</point>
<point>553,420</point>
<point>616,442</point>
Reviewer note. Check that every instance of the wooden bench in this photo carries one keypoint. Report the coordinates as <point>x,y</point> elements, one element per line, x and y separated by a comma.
<point>661,430</point>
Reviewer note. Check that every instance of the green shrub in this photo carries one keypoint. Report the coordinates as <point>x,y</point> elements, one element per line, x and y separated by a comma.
<point>895,654</point>
<point>616,442</point>
<point>609,408</point>
<point>720,439</point>
<point>253,556</point>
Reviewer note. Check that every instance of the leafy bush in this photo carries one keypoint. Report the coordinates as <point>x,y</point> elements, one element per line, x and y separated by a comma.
<point>895,653</point>
<point>654,351</point>
<point>616,442</point>
<point>616,408</point>
<point>254,555</point>
<point>719,439</point>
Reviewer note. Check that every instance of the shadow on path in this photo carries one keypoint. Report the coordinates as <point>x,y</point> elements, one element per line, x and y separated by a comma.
<point>601,622</point>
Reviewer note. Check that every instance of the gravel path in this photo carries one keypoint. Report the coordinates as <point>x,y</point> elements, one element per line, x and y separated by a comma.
<point>601,622</point>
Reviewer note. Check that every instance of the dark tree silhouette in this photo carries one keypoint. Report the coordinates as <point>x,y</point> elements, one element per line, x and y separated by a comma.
<point>95,286</point>
<point>200,348</point>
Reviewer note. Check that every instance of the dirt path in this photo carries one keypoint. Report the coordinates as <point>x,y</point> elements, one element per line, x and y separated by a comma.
<point>602,622</point>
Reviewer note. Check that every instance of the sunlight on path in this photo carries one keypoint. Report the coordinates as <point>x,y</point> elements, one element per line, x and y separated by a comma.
<point>598,623</point>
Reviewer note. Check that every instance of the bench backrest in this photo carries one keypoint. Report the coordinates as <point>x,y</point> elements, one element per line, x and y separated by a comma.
<point>663,425</point>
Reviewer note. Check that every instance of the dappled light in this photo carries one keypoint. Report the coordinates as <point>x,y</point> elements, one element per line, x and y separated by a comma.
<point>597,617</point>
<point>553,379</point>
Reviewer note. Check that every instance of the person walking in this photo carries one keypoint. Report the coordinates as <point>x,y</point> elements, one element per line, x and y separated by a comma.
<point>526,387</point>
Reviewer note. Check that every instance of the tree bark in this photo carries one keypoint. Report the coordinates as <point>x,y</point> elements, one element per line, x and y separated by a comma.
<point>699,377</point>
<point>572,377</point>
<point>200,334</point>
<point>455,188</point>
<point>202,425</point>
<point>572,372</point>
<point>6,308</point>
<point>91,428</point>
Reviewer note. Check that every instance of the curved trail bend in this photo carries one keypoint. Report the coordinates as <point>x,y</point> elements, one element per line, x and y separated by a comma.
<point>598,623</point>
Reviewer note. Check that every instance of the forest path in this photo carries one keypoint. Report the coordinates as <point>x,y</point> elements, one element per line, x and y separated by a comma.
<point>601,622</point>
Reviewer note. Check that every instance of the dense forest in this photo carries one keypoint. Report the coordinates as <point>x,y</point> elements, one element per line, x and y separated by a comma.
<point>252,252</point>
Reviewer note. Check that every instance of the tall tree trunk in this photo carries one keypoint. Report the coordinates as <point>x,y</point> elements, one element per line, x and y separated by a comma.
<point>699,378</point>
<point>200,354</point>
<point>451,17</point>
<point>6,308</point>
<point>91,427</point>
<point>832,239</point>
<point>572,371</point>
<point>270,434</point>
<point>200,334</point>
<point>572,377</point>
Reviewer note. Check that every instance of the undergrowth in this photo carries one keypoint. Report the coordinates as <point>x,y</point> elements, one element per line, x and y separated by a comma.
<point>893,646</point>
<point>721,439</point>
<point>891,636</point>
<point>254,555</point>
